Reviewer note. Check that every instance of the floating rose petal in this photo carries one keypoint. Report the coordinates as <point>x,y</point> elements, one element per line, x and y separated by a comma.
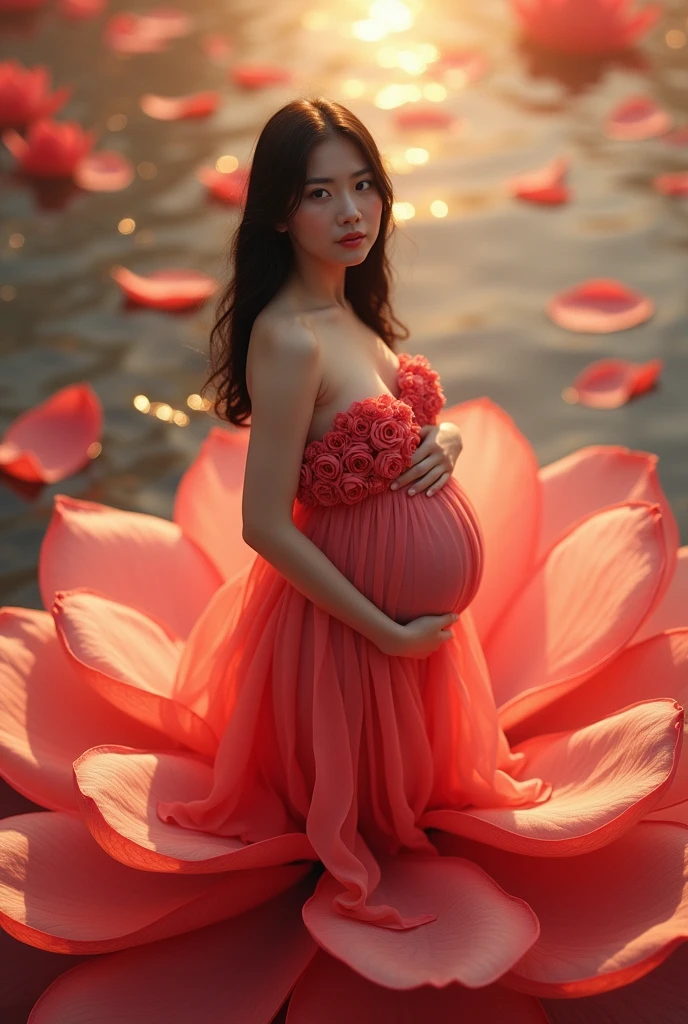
<point>25,94</point>
<point>637,118</point>
<point>258,76</point>
<point>170,108</point>
<point>675,184</point>
<point>166,289</point>
<point>217,47</point>
<point>51,441</point>
<point>543,186</point>
<point>106,171</point>
<point>679,137</point>
<point>131,33</point>
<point>584,26</point>
<point>167,22</point>
<point>472,63</point>
<point>51,149</point>
<point>609,383</point>
<point>411,115</point>
<point>81,8</point>
<point>229,187</point>
<point>600,306</point>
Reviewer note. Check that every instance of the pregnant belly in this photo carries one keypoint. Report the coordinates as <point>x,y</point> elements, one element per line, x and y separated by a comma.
<point>410,556</point>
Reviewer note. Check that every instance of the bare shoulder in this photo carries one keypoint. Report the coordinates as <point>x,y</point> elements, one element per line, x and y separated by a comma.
<point>278,331</point>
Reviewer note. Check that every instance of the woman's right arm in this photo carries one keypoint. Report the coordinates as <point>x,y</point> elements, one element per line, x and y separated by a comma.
<point>286,376</point>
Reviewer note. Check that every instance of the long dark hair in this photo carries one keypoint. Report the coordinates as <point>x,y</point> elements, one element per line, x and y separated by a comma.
<point>262,256</point>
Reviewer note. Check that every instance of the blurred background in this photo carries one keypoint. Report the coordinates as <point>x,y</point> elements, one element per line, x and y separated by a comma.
<point>476,266</point>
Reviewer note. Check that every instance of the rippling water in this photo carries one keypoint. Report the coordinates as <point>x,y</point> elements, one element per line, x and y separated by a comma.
<point>472,287</point>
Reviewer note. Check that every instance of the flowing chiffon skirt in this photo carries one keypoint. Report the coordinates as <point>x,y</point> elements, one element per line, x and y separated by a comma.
<point>319,731</point>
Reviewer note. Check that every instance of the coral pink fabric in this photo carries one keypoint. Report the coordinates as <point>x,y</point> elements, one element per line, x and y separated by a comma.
<point>244,797</point>
<point>351,744</point>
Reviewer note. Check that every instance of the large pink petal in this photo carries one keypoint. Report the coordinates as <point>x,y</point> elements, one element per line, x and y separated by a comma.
<point>592,478</point>
<point>131,660</point>
<point>60,891</point>
<point>330,991</point>
<point>119,790</point>
<point>672,610</point>
<point>235,972</point>
<point>604,779</point>
<point>656,668</point>
<point>607,917</point>
<point>52,440</point>
<point>214,480</point>
<point>48,716</point>
<point>496,464</point>
<point>478,933</point>
<point>137,559</point>
<point>661,997</point>
<point>580,608</point>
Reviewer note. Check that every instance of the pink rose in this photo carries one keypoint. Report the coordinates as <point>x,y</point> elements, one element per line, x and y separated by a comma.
<point>387,433</point>
<point>327,466</point>
<point>342,420</point>
<point>409,445</point>
<point>353,488</point>
<point>360,426</point>
<point>326,493</point>
<point>305,477</point>
<point>389,464</point>
<point>376,484</point>
<point>335,441</point>
<point>358,459</point>
<point>314,449</point>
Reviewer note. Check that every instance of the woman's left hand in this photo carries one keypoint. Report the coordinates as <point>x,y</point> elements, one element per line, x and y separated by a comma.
<point>432,463</point>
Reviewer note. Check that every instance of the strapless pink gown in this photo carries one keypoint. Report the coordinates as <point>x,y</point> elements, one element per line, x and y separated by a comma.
<point>322,733</point>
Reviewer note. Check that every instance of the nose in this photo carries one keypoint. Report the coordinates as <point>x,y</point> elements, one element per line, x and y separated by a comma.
<point>350,211</point>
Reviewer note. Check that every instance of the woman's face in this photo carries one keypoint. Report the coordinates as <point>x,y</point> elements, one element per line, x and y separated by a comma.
<point>347,202</point>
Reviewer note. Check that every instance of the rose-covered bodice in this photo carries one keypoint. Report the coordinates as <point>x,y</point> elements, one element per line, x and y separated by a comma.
<point>371,443</point>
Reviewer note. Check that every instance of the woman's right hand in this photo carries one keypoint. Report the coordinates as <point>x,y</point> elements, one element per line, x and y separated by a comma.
<point>419,637</point>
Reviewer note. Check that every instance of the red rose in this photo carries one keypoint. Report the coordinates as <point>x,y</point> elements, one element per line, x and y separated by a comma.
<point>353,488</point>
<point>358,459</point>
<point>335,441</point>
<point>360,426</point>
<point>305,477</point>
<point>387,433</point>
<point>376,484</point>
<point>409,445</point>
<point>389,464</point>
<point>342,420</point>
<point>313,449</point>
<point>326,493</point>
<point>327,466</point>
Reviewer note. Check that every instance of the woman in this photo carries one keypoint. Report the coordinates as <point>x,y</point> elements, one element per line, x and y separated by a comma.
<point>345,704</point>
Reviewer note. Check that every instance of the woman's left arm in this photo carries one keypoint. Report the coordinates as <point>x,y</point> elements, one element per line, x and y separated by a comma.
<point>432,463</point>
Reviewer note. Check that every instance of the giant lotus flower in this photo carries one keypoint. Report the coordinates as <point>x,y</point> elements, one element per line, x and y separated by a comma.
<point>568,909</point>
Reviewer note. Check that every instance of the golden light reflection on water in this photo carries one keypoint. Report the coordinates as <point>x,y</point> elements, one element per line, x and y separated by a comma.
<point>396,94</point>
<point>226,164</point>
<point>403,211</point>
<point>165,412</point>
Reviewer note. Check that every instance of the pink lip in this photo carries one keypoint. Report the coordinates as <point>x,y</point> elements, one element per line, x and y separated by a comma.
<point>351,238</point>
